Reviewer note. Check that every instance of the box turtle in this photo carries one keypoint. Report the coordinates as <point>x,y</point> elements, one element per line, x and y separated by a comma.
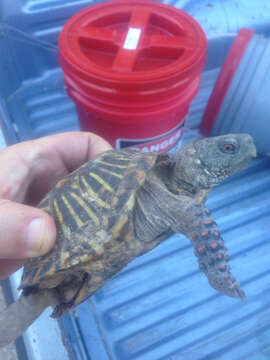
<point>119,206</point>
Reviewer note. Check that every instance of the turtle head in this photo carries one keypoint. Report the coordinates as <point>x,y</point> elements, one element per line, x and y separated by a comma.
<point>204,163</point>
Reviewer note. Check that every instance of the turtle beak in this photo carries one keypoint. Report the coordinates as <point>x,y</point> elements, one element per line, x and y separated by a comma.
<point>249,152</point>
<point>250,146</point>
<point>254,153</point>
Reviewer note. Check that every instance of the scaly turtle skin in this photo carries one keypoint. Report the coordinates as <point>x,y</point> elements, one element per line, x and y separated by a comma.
<point>123,204</point>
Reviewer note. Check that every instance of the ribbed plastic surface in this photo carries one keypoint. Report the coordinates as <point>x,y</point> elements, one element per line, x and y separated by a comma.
<point>160,307</point>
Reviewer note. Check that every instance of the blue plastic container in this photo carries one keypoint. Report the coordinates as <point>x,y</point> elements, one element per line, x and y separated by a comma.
<point>160,307</point>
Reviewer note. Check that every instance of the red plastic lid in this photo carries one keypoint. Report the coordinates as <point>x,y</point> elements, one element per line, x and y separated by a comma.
<point>224,80</point>
<point>132,41</point>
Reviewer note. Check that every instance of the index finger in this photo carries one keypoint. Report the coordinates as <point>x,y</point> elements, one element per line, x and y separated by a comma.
<point>30,169</point>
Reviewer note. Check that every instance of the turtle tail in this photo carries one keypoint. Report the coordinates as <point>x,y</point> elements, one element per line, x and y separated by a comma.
<point>212,255</point>
<point>17,317</point>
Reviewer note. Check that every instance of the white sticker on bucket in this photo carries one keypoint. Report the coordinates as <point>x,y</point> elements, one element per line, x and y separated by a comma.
<point>132,38</point>
<point>164,142</point>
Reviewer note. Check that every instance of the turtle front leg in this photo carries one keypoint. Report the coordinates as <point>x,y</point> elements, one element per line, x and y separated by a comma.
<point>211,253</point>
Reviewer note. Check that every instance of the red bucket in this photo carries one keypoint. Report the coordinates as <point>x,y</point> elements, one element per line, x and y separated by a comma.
<point>132,68</point>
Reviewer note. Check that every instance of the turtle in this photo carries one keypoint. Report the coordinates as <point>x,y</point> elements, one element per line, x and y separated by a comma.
<point>119,206</point>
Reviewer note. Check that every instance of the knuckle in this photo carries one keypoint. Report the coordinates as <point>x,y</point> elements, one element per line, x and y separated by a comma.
<point>4,202</point>
<point>6,191</point>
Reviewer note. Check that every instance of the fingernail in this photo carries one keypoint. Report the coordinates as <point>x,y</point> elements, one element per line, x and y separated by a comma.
<point>36,235</point>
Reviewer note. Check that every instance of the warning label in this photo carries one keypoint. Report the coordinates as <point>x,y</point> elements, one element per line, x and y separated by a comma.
<point>156,144</point>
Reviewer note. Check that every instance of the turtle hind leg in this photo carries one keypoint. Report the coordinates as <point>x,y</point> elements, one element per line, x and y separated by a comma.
<point>30,290</point>
<point>79,296</point>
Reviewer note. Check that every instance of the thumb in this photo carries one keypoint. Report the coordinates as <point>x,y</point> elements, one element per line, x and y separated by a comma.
<point>24,231</point>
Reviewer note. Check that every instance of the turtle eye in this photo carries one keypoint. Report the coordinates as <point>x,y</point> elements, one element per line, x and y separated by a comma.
<point>228,148</point>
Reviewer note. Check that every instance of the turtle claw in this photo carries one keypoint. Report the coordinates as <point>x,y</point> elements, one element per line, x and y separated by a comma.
<point>239,293</point>
<point>226,284</point>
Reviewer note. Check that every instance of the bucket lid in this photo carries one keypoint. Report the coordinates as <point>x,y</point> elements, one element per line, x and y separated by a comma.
<point>224,79</point>
<point>132,41</point>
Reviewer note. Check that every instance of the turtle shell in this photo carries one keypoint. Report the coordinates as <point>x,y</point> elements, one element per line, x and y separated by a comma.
<point>91,208</point>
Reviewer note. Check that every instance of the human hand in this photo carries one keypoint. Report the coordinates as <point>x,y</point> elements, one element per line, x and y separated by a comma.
<point>27,172</point>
